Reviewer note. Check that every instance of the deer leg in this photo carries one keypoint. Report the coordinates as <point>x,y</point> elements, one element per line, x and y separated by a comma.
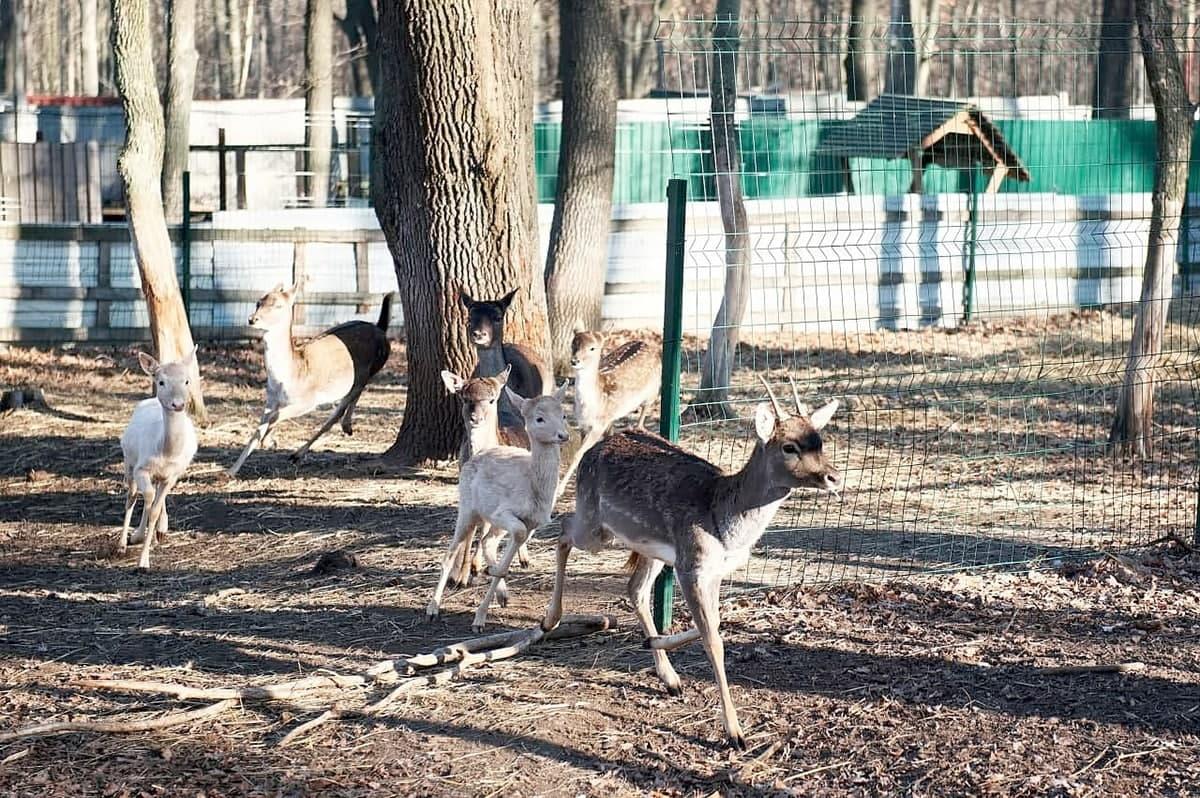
<point>489,558</point>
<point>463,527</point>
<point>269,419</point>
<point>590,439</point>
<point>703,598</point>
<point>155,513</point>
<point>554,609</point>
<point>348,416</point>
<point>131,495</point>
<point>672,642</point>
<point>160,532</point>
<point>519,533</point>
<point>329,422</point>
<point>640,584</point>
<point>641,422</point>
<point>461,573</point>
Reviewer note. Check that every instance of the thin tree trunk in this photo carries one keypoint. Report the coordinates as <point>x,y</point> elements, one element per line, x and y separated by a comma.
<point>453,187</point>
<point>362,31</point>
<point>902,50</point>
<point>71,50</point>
<point>224,72</point>
<point>233,18</point>
<point>860,59</point>
<point>89,48</point>
<point>717,367</point>
<point>318,97</point>
<point>1114,61</point>
<point>1132,430</point>
<point>181,84</point>
<point>247,50</point>
<point>925,25</point>
<point>140,165</point>
<point>577,259</point>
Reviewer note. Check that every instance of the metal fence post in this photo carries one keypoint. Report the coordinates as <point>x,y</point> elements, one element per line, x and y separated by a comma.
<point>668,423</point>
<point>972,235</point>
<point>185,245</point>
<point>221,177</point>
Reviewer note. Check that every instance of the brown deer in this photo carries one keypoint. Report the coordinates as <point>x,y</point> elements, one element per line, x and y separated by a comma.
<point>530,375</point>
<point>333,367</point>
<point>609,386</point>
<point>478,400</point>
<point>670,507</point>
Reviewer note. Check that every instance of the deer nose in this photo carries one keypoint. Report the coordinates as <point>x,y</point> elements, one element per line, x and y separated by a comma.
<point>833,480</point>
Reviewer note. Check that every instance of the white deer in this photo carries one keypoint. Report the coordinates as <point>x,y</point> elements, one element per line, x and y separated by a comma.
<point>670,507</point>
<point>158,446</point>
<point>510,489</point>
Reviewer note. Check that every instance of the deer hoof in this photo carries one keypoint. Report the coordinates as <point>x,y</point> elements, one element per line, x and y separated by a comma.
<point>144,564</point>
<point>432,611</point>
<point>675,690</point>
<point>737,741</point>
<point>478,628</point>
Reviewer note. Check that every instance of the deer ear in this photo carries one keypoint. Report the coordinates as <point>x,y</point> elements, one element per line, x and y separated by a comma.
<point>507,299</point>
<point>148,363</point>
<point>452,381</point>
<point>561,393</point>
<point>502,377</point>
<point>578,328</point>
<point>764,421</point>
<point>278,289</point>
<point>191,356</point>
<point>465,298</point>
<point>821,417</point>
<point>515,398</point>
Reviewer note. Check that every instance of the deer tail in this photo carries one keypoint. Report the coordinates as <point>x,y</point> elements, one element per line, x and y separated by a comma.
<point>632,563</point>
<point>385,313</point>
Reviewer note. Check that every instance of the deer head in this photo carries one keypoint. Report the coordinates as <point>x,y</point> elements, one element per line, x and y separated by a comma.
<point>477,397</point>
<point>545,421</point>
<point>275,307</point>
<point>172,381</point>
<point>485,320</point>
<point>792,443</point>
<point>586,349</point>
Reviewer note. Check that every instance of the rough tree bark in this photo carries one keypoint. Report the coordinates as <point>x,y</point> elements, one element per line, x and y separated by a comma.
<point>578,255</point>
<point>89,48</point>
<point>181,82</point>
<point>453,187</point>
<point>860,58</point>
<point>1111,93</point>
<point>318,97</point>
<point>1132,432</point>
<point>140,165</point>
<point>717,367</point>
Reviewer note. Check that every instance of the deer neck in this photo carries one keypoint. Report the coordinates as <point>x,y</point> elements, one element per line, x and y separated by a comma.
<point>485,436</point>
<point>491,358</point>
<point>744,503</point>
<point>280,353</point>
<point>543,466</point>
<point>587,396</point>
<point>175,426</point>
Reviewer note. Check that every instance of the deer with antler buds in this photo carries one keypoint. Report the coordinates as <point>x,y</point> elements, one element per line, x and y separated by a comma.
<point>670,507</point>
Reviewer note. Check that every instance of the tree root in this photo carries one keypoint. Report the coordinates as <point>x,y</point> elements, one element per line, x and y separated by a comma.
<point>463,655</point>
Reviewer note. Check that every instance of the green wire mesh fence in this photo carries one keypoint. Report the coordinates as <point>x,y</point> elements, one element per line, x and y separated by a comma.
<point>958,257</point>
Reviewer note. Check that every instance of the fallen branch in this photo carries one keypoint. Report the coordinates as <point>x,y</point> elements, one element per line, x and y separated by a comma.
<point>1073,670</point>
<point>118,726</point>
<point>266,692</point>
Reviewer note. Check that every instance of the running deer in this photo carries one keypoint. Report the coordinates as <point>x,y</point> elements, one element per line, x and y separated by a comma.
<point>609,386</point>
<point>509,488</point>
<point>333,367</point>
<point>670,507</point>
<point>530,376</point>
<point>158,446</point>
<point>478,399</point>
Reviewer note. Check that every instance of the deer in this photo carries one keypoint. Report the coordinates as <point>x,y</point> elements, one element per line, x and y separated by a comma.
<point>670,507</point>
<point>530,375</point>
<point>609,386</point>
<point>510,489</point>
<point>333,368</point>
<point>478,404</point>
<point>157,446</point>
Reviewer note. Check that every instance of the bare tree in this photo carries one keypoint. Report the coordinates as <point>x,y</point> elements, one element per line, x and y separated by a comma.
<point>1111,93</point>
<point>89,48</point>
<point>911,39</point>
<point>578,254</point>
<point>860,58</point>
<point>247,50</point>
<point>453,188</point>
<point>181,82</point>
<point>636,52</point>
<point>1132,431</point>
<point>361,28</point>
<point>140,165</point>
<point>318,97</point>
<point>717,366</point>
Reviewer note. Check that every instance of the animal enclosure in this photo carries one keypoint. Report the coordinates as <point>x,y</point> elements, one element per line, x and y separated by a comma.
<point>979,339</point>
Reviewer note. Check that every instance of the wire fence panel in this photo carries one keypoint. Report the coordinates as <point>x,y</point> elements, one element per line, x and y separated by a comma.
<point>962,271</point>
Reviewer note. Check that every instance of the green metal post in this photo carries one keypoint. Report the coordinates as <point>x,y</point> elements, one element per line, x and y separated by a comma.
<point>668,424</point>
<point>971,236</point>
<point>185,245</point>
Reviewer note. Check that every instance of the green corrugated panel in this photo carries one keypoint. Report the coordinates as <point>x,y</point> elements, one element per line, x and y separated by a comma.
<point>1109,156</point>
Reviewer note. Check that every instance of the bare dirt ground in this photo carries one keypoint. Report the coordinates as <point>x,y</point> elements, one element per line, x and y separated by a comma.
<point>944,685</point>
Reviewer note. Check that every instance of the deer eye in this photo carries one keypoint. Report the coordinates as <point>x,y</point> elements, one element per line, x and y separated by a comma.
<point>491,401</point>
<point>791,448</point>
<point>541,420</point>
<point>161,383</point>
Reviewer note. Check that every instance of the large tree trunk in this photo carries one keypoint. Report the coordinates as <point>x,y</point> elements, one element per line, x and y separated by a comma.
<point>717,367</point>
<point>318,97</point>
<point>860,59</point>
<point>1114,61</point>
<point>89,48</point>
<point>140,165</point>
<point>1132,432</point>
<point>578,256</point>
<point>181,82</point>
<point>453,187</point>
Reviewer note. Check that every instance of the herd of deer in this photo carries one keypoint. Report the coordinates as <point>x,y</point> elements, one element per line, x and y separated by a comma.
<point>666,506</point>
